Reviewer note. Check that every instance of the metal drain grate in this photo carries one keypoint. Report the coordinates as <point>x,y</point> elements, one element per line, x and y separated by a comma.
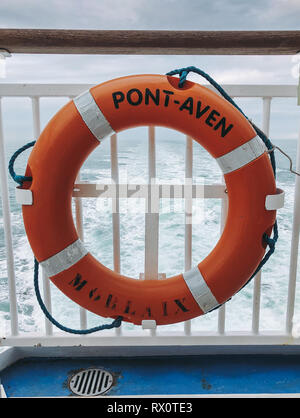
<point>91,382</point>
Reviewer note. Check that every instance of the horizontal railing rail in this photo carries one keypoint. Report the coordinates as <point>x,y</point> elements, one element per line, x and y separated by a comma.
<point>72,90</point>
<point>188,336</point>
<point>166,42</point>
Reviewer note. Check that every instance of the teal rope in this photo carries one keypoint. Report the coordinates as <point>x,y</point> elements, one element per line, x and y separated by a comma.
<point>183,73</point>
<point>17,178</point>
<point>115,324</point>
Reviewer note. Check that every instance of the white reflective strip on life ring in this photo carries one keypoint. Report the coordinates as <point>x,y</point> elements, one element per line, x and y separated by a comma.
<point>199,289</point>
<point>241,155</point>
<point>92,116</point>
<point>64,259</point>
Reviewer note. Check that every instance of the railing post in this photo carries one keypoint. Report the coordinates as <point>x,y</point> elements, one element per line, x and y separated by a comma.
<point>8,236</point>
<point>115,210</point>
<point>222,309</point>
<point>188,204</point>
<point>152,214</point>
<point>115,206</point>
<point>257,279</point>
<point>79,227</point>
<point>46,283</point>
<point>294,250</point>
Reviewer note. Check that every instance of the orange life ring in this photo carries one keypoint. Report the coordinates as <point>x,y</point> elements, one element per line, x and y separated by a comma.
<point>125,103</point>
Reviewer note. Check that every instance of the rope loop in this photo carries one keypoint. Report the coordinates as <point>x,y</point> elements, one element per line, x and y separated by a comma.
<point>115,324</point>
<point>17,178</point>
<point>183,73</point>
<point>20,180</point>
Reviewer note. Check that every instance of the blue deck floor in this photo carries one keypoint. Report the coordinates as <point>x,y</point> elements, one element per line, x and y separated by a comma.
<point>160,375</point>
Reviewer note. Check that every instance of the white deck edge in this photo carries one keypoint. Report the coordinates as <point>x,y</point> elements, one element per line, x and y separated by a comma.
<point>144,341</point>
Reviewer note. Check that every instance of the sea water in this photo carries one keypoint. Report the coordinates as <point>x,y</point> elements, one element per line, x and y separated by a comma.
<point>97,219</point>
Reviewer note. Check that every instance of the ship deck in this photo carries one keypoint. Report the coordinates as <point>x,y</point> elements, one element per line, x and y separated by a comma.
<point>153,376</point>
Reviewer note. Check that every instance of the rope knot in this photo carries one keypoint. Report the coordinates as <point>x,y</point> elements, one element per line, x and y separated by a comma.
<point>270,241</point>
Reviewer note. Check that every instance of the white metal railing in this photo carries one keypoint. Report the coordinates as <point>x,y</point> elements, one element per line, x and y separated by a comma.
<point>117,337</point>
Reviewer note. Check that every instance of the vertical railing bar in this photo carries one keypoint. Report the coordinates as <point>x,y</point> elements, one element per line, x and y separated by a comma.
<point>115,210</point>
<point>257,279</point>
<point>79,212</point>
<point>222,309</point>
<point>151,216</point>
<point>188,204</point>
<point>116,205</point>
<point>48,302</point>
<point>151,153</point>
<point>35,101</point>
<point>256,303</point>
<point>79,228</point>
<point>8,234</point>
<point>294,250</point>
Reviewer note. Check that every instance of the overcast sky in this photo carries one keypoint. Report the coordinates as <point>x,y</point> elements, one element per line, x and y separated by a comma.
<point>151,14</point>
